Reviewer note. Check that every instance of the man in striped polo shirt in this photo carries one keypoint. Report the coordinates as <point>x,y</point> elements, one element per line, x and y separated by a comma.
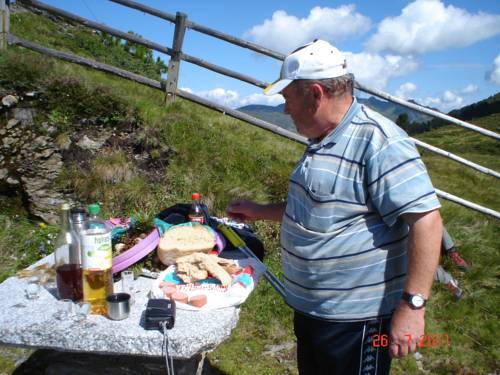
<point>361,230</point>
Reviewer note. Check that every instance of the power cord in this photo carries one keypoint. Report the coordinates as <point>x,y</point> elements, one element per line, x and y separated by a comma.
<point>169,361</point>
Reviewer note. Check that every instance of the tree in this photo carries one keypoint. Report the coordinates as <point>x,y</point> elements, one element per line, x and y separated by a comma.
<point>403,121</point>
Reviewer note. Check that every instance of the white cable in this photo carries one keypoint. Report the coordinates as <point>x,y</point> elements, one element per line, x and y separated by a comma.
<point>169,361</point>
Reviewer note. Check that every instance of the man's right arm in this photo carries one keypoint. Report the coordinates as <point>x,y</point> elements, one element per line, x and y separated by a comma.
<point>245,210</point>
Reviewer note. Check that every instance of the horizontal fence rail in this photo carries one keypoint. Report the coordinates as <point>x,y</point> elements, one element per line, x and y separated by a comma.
<point>97,26</point>
<point>206,103</point>
<point>465,203</point>
<point>202,29</point>
<point>14,40</point>
<point>427,111</point>
<point>142,41</point>
<point>456,158</point>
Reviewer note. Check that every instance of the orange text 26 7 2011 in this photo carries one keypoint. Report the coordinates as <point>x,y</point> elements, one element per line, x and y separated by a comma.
<point>428,340</point>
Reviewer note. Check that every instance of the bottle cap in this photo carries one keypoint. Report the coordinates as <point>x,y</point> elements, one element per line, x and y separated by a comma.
<point>195,196</point>
<point>94,209</point>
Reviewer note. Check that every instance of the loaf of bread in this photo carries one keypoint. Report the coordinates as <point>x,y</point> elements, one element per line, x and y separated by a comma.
<point>184,240</point>
<point>190,266</point>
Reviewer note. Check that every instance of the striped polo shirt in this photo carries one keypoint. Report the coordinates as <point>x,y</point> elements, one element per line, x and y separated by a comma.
<point>344,246</point>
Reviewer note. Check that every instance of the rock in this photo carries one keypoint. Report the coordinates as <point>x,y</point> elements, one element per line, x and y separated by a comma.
<point>8,141</point>
<point>88,144</point>
<point>12,181</point>
<point>272,350</point>
<point>9,101</point>
<point>41,141</point>
<point>46,153</point>
<point>63,141</point>
<point>12,123</point>
<point>31,162</point>
<point>25,115</point>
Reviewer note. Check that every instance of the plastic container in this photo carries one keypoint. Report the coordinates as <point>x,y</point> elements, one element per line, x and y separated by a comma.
<point>195,213</point>
<point>96,262</point>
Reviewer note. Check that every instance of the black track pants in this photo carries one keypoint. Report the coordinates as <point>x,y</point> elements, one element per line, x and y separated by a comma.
<point>343,348</point>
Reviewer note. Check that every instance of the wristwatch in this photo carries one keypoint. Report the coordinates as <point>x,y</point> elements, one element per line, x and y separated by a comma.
<point>415,301</point>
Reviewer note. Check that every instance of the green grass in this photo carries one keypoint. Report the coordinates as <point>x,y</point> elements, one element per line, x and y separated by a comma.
<point>224,159</point>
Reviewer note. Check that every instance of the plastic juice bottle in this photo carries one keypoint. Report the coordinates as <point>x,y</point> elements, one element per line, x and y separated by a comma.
<point>195,213</point>
<point>67,261</point>
<point>96,262</point>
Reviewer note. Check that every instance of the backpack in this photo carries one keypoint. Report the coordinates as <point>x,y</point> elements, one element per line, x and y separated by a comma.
<point>178,214</point>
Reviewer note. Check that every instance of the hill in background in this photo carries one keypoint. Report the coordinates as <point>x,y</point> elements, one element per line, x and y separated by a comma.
<point>411,121</point>
<point>274,114</point>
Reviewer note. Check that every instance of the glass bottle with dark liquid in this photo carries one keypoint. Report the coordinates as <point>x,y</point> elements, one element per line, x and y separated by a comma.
<point>67,261</point>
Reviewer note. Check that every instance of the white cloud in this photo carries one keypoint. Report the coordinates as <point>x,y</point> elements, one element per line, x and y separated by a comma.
<point>284,32</point>
<point>405,90</point>
<point>232,99</point>
<point>449,99</point>
<point>469,89</point>
<point>374,70</point>
<point>273,100</point>
<point>429,25</point>
<point>494,75</point>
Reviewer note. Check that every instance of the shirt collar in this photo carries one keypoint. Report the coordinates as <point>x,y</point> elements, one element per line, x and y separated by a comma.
<point>334,136</point>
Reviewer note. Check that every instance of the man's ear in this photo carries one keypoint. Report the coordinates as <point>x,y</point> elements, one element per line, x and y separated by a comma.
<point>317,92</point>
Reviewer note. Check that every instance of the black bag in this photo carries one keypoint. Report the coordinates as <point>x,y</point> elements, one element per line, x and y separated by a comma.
<point>178,214</point>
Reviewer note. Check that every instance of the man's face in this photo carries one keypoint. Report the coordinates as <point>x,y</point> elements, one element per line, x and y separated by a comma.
<point>301,109</point>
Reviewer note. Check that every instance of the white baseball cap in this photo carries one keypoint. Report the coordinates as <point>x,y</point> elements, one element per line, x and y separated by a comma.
<point>316,60</point>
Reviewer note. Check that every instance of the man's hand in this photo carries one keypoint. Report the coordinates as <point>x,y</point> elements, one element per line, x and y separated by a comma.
<point>407,327</point>
<point>424,243</point>
<point>244,210</point>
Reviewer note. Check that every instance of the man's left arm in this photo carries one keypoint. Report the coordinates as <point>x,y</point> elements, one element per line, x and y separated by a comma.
<point>424,243</point>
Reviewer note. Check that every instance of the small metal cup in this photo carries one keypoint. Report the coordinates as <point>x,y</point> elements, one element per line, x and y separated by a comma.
<point>118,306</point>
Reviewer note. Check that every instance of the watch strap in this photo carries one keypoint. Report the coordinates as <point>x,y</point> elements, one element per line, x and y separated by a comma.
<point>407,297</point>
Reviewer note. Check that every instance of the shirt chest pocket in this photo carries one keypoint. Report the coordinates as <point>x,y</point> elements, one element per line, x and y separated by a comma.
<point>319,179</point>
<point>327,179</point>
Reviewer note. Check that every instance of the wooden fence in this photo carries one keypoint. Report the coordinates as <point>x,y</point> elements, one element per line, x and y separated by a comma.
<point>176,56</point>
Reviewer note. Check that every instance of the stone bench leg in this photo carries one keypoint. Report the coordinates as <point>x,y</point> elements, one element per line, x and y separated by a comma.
<point>191,366</point>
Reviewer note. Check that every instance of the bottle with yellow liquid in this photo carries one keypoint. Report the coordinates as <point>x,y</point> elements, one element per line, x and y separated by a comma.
<point>96,262</point>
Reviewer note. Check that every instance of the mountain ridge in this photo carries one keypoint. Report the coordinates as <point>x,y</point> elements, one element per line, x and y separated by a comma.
<point>414,123</point>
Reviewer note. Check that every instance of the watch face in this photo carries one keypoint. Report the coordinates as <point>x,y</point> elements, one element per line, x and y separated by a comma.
<point>417,301</point>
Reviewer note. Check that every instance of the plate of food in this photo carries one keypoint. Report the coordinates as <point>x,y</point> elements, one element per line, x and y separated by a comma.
<point>200,281</point>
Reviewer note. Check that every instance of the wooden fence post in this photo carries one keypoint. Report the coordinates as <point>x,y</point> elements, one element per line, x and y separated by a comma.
<point>175,59</point>
<point>4,23</point>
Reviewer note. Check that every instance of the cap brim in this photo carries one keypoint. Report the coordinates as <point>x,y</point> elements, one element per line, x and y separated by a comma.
<point>277,86</point>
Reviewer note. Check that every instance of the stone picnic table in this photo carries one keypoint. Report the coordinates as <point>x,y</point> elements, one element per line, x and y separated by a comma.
<point>40,323</point>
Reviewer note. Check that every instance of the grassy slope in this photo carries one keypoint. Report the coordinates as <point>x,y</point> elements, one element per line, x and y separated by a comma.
<point>224,159</point>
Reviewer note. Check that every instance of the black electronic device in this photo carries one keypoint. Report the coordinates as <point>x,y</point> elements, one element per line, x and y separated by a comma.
<point>159,311</point>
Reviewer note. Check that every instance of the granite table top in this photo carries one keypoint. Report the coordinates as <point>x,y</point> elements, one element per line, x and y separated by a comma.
<point>42,323</point>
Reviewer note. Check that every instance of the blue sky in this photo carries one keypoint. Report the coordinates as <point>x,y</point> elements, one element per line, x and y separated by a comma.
<point>445,54</point>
